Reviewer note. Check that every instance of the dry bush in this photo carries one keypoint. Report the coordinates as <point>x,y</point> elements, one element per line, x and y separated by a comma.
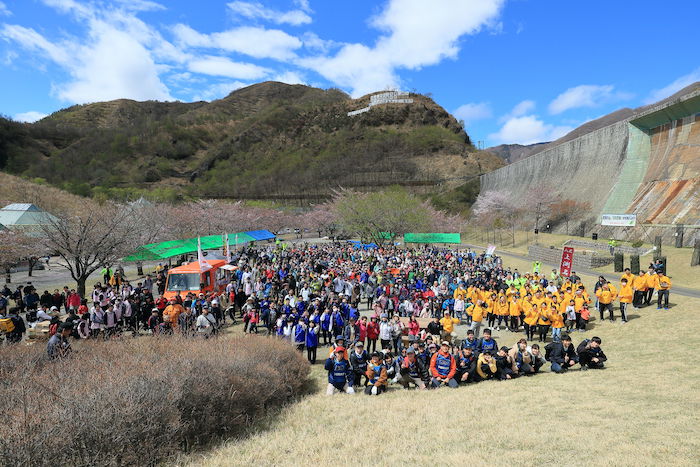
<point>139,401</point>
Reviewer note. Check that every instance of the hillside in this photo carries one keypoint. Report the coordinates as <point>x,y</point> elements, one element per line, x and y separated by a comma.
<point>514,152</point>
<point>266,141</point>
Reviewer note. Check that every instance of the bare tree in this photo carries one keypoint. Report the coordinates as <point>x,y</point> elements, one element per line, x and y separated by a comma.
<point>568,210</point>
<point>17,246</point>
<point>93,240</point>
<point>498,209</point>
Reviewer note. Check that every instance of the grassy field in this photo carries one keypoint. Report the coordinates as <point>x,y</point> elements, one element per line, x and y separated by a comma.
<point>678,259</point>
<point>643,409</point>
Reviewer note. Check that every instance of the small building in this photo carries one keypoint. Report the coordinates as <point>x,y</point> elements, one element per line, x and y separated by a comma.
<point>24,216</point>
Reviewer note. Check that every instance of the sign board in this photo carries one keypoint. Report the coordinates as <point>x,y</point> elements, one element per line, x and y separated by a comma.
<point>567,261</point>
<point>619,220</point>
<point>490,250</point>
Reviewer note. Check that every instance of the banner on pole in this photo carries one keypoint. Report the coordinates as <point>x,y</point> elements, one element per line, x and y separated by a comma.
<point>567,261</point>
<point>203,265</point>
<point>619,220</point>
<point>490,250</point>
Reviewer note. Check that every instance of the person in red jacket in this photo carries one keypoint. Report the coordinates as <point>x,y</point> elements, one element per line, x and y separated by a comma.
<point>362,325</point>
<point>443,367</point>
<point>73,300</point>
<point>372,335</point>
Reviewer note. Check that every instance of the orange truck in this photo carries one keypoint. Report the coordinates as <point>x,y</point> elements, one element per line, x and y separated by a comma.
<point>188,278</point>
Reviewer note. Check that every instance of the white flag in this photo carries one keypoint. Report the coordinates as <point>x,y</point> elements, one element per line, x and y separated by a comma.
<point>228,250</point>
<point>203,265</point>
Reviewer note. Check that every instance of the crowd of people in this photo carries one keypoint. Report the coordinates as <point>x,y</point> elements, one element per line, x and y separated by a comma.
<point>311,295</point>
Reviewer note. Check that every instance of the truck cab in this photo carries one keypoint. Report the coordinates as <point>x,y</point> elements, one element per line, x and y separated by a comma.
<point>189,278</point>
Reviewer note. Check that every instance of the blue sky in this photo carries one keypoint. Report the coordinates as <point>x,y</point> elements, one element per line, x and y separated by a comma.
<point>516,71</point>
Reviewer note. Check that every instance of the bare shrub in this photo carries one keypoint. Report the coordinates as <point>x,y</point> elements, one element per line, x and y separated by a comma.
<point>139,401</point>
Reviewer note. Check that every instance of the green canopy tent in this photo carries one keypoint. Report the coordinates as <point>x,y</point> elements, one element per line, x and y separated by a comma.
<point>165,250</point>
<point>432,238</point>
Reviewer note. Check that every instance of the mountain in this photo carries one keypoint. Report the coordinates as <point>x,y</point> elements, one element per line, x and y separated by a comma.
<point>266,141</point>
<point>514,152</point>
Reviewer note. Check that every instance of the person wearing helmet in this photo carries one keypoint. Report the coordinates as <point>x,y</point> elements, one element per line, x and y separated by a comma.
<point>339,372</point>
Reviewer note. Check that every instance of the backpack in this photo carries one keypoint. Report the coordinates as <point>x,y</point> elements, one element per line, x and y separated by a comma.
<point>7,325</point>
<point>582,346</point>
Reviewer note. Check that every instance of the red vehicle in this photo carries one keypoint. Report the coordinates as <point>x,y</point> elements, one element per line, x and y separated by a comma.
<point>188,278</point>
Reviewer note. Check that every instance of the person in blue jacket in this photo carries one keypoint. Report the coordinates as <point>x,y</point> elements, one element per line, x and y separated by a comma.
<point>471,342</point>
<point>300,335</point>
<point>337,321</point>
<point>339,372</point>
<point>487,343</point>
<point>326,327</point>
<point>311,342</point>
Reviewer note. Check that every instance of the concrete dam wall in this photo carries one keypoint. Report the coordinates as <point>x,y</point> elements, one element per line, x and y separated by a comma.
<point>647,164</point>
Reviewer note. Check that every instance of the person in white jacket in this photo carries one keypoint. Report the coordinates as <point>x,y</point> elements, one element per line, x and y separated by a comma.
<point>385,330</point>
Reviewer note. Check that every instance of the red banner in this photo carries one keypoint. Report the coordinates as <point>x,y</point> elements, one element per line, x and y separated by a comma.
<point>567,261</point>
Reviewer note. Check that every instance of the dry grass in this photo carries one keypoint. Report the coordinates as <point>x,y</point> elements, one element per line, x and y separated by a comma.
<point>51,199</point>
<point>643,409</point>
<point>141,401</point>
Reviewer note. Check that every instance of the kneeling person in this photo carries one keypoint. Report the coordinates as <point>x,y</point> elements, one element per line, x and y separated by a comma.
<point>339,372</point>
<point>443,367</point>
<point>376,376</point>
<point>413,370</point>
<point>590,355</point>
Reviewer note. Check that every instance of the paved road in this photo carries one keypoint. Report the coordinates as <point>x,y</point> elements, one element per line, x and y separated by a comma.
<point>687,292</point>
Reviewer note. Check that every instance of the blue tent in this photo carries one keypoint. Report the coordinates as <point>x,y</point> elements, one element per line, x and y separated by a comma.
<point>260,234</point>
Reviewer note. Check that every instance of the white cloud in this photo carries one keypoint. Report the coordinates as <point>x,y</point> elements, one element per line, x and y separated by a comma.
<point>473,111</point>
<point>527,129</point>
<point>116,66</point>
<point>4,11</point>
<point>218,90</point>
<point>256,10</point>
<point>257,42</point>
<point>415,33</point>
<point>253,41</point>
<point>118,57</point>
<point>586,95</point>
<point>289,77</point>
<point>523,108</point>
<point>685,80</point>
<point>31,40</point>
<point>29,117</point>
<point>222,66</point>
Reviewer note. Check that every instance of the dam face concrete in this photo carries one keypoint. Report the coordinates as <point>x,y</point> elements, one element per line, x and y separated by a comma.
<point>647,164</point>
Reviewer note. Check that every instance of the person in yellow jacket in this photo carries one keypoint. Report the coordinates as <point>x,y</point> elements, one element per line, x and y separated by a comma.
<point>639,286</point>
<point>650,277</point>
<point>448,324</point>
<point>662,283</point>
<point>478,313</point>
<point>485,367</point>
<point>557,319</point>
<point>581,297</point>
<point>532,314</point>
<point>544,321</point>
<point>627,275</point>
<point>626,295</point>
<point>502,311</point>
<point>514,310</point>
<point>606,295</point>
